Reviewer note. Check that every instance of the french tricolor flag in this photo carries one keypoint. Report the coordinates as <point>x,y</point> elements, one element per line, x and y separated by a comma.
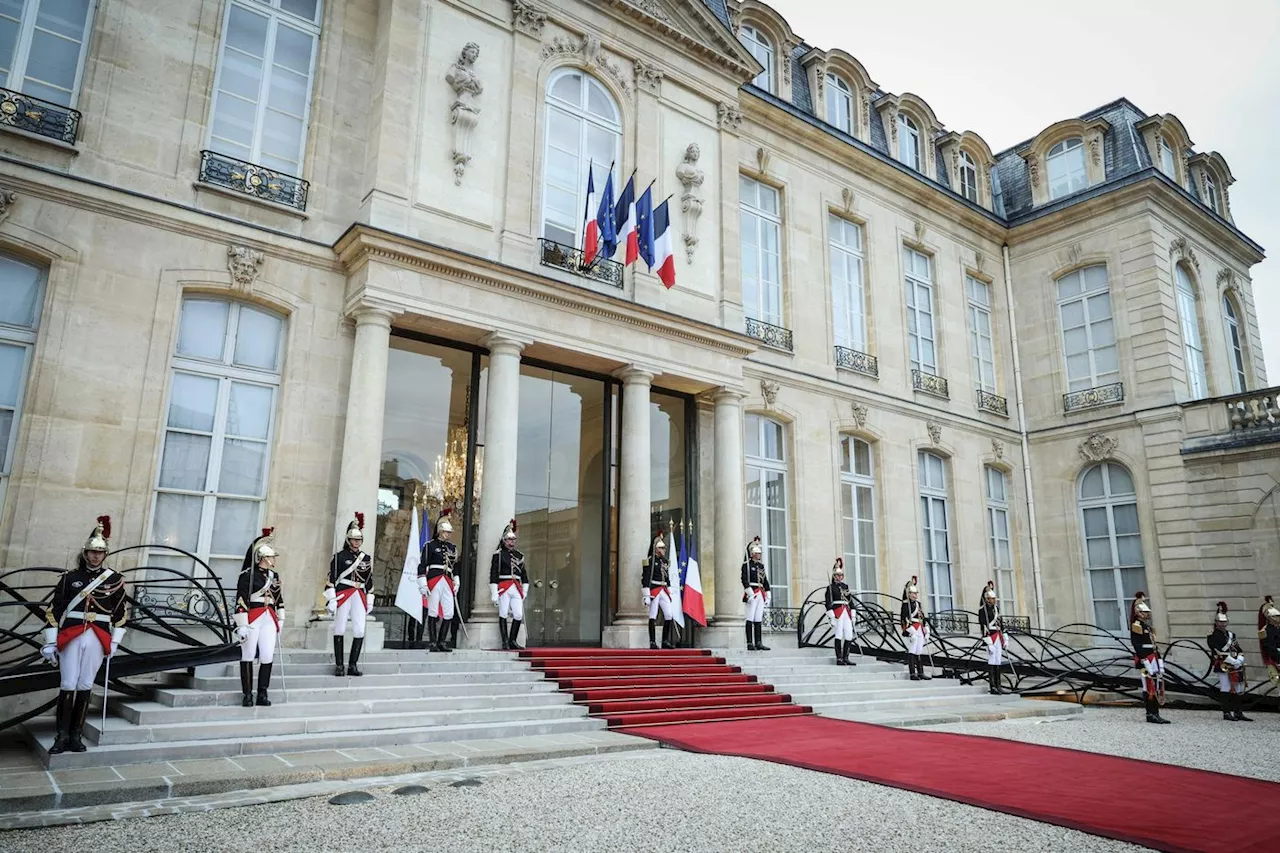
<point>624,215</point>
<point>694,607</point>
<point>590,228</point>
<point>664,259</point>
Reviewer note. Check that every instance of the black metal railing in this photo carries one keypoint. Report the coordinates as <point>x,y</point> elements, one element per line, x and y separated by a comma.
<point>569,259</point>
<point>993,403</point>
<point>1092,398</point>
<point>38,116</point>
<point>858,362</point>
<point>930,383</point>
<point>781,620</point>
<point>219,170</point>
<point>769,334</point>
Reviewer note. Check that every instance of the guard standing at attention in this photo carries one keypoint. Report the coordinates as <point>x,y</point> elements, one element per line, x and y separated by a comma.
<point>349,595</point>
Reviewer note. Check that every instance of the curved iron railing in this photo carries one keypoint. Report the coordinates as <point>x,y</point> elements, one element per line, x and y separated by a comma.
<point>177,620</point>
<point>1080,657</point>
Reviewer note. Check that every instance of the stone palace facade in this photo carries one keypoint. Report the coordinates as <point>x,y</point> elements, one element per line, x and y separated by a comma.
<point>270,262</point>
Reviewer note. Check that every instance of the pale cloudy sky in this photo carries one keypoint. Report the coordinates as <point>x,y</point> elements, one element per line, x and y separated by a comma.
<point>1007,70</point>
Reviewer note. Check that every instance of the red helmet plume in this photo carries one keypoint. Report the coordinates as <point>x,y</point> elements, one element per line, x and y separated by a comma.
<point>105,521</point>
<point>360,520</point>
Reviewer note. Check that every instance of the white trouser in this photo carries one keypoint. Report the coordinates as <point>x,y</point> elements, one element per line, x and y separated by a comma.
<point>916,636</point>
<point>844,626</point>
<point>78,662</point>
<point>440,600</point>
<point>755,604</point>
<point>354,608</point>
<point>261,640</point>
<point>662,601</point>
<point>1152,668</point>
<point>995,650</point>
<point>1224,682</point>
<point>511,603</point>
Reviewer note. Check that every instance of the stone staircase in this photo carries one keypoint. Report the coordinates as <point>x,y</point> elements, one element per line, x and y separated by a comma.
<point>881,692</point>
<point>404,697</point>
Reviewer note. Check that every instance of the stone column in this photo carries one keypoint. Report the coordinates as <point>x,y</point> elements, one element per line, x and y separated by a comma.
<point>362,435</point>
<point>730,540</point>
<point>633,509</point>
<point>498,488</point>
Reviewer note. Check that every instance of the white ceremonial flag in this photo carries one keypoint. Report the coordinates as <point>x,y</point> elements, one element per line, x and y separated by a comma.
<point>408,598</point>
<point>676,604</point>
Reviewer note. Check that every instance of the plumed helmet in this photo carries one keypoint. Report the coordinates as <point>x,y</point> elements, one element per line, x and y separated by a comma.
<point>1268,610</point>
<point>989,592</point>
<point>1220,617</point>
<point>754,548</point>
<point>443,524</point>
<point>259,548</point>
<point>1140,609</point>
<point>509,532</point>
<point>97,540</point>
<point>838,568</point>
<point>658,542</point>
<point>912,585</point>
<point>355,530</point>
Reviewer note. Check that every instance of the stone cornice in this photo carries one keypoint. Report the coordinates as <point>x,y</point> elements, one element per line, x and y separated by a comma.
<point>362,243</point>
<point>730,53</point>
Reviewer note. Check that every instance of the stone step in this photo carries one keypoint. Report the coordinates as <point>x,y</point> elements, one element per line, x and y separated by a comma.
<point>966,713</point>
<point>141,713</point>
<point>390,655</point>
<point>852,674</point>
<point>183,697</point>
<point>377,667</point>
<point>355,726</point>
<point>860,704</point>
<point>292,681</point>
<point>133,753</point>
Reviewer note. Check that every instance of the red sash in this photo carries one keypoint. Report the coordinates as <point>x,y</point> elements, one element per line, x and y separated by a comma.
<point>997,636</point>
<point>503,586</point>
<point>257,610</point>
<point>840,610</point>
<point>347,592</point>
<point>656,591</point>
<point>432,582</point>
<point>66,635</point>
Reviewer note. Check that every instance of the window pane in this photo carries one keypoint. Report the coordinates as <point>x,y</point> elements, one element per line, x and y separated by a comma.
<point>293,50</point>
<point>599,103</point>
<point>302,8</point>
<point>773,440</point>
<point>568,88</point>
<point>862,458</point>
<point>19,293</point>
<point>185,464</point>
<point>1091,486</point>
<point>249,411</point>
<point>243,467</point>
<point>1095,523</point>
<point>51,67</point>
<point>10,19</point>
<point>177,521</point>
<point>193,402</point>
<point>258,339</point>
<point>1104,585</point>
<point>12,361</point>
<point>846,462</point>
<point>203,329</point>
<point>234,525</point>
<point>777,519</point>
<point>1125,517</point>
<point>775,489</point>
<point>6,429</point>
<point>1099,553</point>
<point>1121,481</point>
<point>1129,550</point>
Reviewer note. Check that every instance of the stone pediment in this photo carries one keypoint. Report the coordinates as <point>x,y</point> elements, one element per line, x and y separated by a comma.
<point>694,26</point>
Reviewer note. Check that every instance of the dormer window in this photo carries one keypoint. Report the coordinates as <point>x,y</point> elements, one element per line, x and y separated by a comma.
<point>839,104</point>
<point>1066,168</point>
<point>759,46</point>
<point>908,142</point>
<point>1166,159</point>
<point>968,177</point>
<point>1211,193</point>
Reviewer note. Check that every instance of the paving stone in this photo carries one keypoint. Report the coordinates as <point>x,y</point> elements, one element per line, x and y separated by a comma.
<point>87,775</point>
<point>24,780</point>
<point>205,766</point>
<point>371,753</point>
<point>146,771</point>
<point>318,758</point>
<point>259,763</point>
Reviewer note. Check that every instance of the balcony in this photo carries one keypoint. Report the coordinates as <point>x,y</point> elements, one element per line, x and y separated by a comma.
<point>993,403</point>
<point>770,335</point>
<point>929,383</point>
<point>858,362</point>
<point>1230,423</point>
<point>1093,398</point>
<point>569,259</point>
<point>219,170</point>
<point>43,118</point>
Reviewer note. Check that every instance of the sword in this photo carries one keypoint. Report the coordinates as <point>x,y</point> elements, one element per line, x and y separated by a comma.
<point>106,680</point>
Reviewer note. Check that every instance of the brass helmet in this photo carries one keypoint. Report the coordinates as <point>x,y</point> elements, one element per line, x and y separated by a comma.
<point>989,594</point>
<point>509,532</point>
<point>97,540</point>
<point>355,530</point>
<point>1140,609</point>
<point>259,548</point>
<point>754,548</point>
<point>1220,617</point>
<point>659,542</point>
<point>837,571</point>
<point>911,587</point>
<point>1268,612</point>
<point>443,525</point>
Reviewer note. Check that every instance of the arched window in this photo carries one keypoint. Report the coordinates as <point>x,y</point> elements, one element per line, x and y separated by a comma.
<point>936,530</point>
<point>839,103</point>
<point>1088,332</point>
<point>1211,193</point>
<point>1112,542</point>
<point>997,483</point>
<point>759,46</point>
<point>908,141</point>
<point>858,514</point>
<point>766,492</point>
<point>1064,165</point>
<point>968,177</point>
<point>1192,348</point>
<point>21,295</point>
<point>1235,345</point>
<point>219,423</point>
<point>1166,158</point>
<point>584,131</point>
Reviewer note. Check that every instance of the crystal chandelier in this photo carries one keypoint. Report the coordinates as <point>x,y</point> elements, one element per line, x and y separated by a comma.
<point>446,485</point>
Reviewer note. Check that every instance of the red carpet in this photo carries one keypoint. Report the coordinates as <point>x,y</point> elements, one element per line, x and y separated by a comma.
<point>1141,802</point>
<point>641,687</point>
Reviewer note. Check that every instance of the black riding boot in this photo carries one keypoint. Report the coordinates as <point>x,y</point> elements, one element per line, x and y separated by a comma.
<point>246,683</point>
<point>418,628</point>
<point>1239,703</point>
<point>356,645</point>
<point>339,668</point>
<point>515,632</point>
<point>444,635</point>
<point>751,638</point>
<point>911,667</point>
<point>924,676</point>
<point>264,681</point>
<point>66,698</point>
<point>848,647</point>
<point>431,633</point>
<point>1153,710</point>
<point>502,632</point>
<point>453,631</point>
<point>1228,706</point>
<point>760,646</point>
<point>993,676</point>
<point>668,634</point>
<point>79,711</point>
<point>839,648</point>
<point>653,643</point>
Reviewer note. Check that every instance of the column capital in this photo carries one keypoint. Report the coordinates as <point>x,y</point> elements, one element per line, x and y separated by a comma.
<point>636,374</point>
<point>726,396</point>
<point>370,313</point>
<point>500,342</point>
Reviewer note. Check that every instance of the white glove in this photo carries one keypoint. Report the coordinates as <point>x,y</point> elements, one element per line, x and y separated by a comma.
<point>117,637</point>
<point>50,636</point>
<point>280,616</point>
<point>242,633</point>
<point>647,599</point>
<point>49,652</point>
<point>242,620</point>
<point>330,594</point>
<point>368,601</point>
<point>493,593</point>
<point>831,618</point>
<point>331,605</point>
<point>422,586</point>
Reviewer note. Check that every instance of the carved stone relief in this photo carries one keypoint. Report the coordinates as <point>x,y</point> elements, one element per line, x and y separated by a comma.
<point>1182,251</point>
<point>762,160</point>
<point>7,200</point>
<point>526,18</point>
<point>769,390</point>
<point>691,178</point>
<point>648,77</point>
<point>846,195</point>
<point>591,53</point>
<point>1097,447</point>
<point>935,432</point>
<point>1033,169</point>
<point>859,415</point>
<point>463,113</point>
<point>728,116</point>
<point>244,264</point>
<point>997,448</point>
<point>652,8</point>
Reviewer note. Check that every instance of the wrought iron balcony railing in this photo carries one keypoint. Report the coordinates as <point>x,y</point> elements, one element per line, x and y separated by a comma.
<point>1092,398</point>
<point>769,334</point>
<point>993,403</point>
<point>858,362</point>
<point>569,259</point>
<point>930,383</point>
<point>38,116</point>
<point>219,170</point>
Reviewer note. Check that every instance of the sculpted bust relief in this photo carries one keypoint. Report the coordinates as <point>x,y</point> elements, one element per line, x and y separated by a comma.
<point>463,113</point>
<point>690,177</point>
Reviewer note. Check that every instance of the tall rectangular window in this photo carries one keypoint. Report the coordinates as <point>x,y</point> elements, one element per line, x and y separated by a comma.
<point>1192,348</point>
<point>997,483</point>
<point>981,348</point>
<point>218,432</point>
<point>858,514</point>
<point>262,92</point>
<point>761,227</point>
<point>1088,332</point>
<point>766,493</point>
<point>1108,505</point>
<point>42,47</point>
<point>921,338</point>
<point>848,295</point>
<point>1235,346</point>
<point>21,295</point>
<point>936,531</point>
